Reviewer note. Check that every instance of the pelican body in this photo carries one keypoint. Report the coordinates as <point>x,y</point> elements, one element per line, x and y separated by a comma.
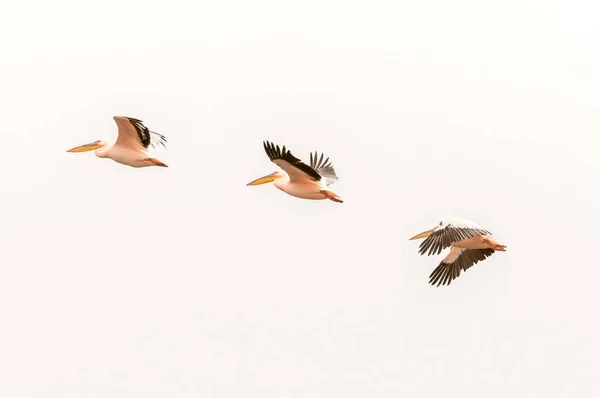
<point>132,147</point>
<point>297,178</point>
<point>469,244</point>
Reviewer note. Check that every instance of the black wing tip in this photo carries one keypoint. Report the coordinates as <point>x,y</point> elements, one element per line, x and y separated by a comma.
<point>134,120</point>
<point>141,124</point>
<point>443,275</point>
<point>439,276</point>
<point>137,123</point>
<point>273,151</point>
<point>144,133</point>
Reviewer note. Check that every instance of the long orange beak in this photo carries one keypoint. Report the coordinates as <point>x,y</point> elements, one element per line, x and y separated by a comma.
<point>423,234</point>
<point>263,180</point>
<point>85,148</point>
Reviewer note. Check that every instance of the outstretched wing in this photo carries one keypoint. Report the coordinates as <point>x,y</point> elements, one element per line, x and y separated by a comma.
<point>294,167</point>
<point>323,167</point>
<point>456,261</point>
<point>446,236</point>
<point>133,133</point>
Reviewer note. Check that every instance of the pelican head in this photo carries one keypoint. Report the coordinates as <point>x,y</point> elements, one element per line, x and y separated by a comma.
<point>424,234</point>
<point>268,178</point>
<point>89,147</point>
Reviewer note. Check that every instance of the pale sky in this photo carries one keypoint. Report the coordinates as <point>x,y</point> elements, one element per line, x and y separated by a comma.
<point>184,282</point>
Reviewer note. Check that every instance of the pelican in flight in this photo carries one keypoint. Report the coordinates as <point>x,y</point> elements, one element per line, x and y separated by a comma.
<point>297,178</point>
<point>469,244</point>
<point>132,145</point>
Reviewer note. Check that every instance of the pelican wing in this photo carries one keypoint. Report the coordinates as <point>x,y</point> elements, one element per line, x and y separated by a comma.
<point>456,261</point>
<point>133,134</point>
<point>444,237</point>
<point>294,167</point>
<point>323,167</point>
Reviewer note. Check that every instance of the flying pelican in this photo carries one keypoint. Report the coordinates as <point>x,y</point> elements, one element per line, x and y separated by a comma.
<point>297,178</point>
<point>131,147</point>
<point>470,244</point>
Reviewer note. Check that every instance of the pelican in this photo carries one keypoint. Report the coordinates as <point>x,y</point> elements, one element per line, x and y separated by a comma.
<point>132,145</point>
<point>297,178</point>
<point>469,242</point>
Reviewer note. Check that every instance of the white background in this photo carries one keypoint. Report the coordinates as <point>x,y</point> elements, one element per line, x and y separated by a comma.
<point>183,282</point>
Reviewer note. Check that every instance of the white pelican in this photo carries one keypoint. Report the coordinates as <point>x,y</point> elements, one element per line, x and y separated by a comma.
<point>470,244</point>
<point>131,147</point>
<point>297,178</point>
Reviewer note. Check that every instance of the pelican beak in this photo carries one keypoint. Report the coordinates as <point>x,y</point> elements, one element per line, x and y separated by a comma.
<point>263,180</point>
<point>423,234</point>
<point>85,148</point>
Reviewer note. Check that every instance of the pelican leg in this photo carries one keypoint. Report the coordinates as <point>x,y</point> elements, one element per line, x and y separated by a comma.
<point>156,162</point>
<point>332,196</point>
<point>493,244</point>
